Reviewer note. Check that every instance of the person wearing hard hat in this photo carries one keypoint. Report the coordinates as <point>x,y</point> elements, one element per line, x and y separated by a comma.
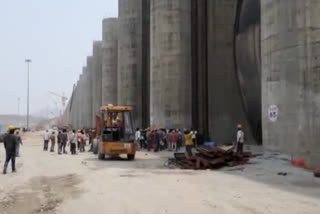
<point>240,139</point>
<point>10,144</point>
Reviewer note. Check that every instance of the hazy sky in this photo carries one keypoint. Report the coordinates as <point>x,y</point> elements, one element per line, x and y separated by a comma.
<point>57,35</point>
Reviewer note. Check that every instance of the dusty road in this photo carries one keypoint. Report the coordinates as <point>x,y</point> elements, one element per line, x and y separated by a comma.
<point>48,183</point>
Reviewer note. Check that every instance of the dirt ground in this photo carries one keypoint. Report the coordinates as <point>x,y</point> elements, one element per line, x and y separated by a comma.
<point>48,183</point>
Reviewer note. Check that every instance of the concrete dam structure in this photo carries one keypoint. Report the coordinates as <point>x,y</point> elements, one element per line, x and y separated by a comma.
<point>210,65</point>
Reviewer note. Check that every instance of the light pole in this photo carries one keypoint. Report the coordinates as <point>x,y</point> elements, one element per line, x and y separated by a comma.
<point>28,61</point>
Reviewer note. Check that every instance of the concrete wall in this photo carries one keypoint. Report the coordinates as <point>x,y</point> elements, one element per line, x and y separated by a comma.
<point>290,77</point>
<point>110,61</point>
<point>170,88</point>
<point>97,78</point>
<point>225,106</point>
<point>130,56</point>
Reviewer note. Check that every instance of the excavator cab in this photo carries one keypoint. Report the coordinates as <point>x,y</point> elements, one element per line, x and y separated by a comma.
<point>117,134</point>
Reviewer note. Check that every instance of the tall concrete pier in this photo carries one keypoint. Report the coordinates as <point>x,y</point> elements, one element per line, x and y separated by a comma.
<point>86,99</point>
<point>290,77</point>
<point>97,78</point>
<point>130,56</point>
<point>72,101</point>
<point>76,106</point>
<point>89,88</point>
<point>110,61</point>
<point>170,88</point>
<point>92,91</point>
<point>81,100</point>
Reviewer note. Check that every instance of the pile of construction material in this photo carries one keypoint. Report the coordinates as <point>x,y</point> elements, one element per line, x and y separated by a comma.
<point>210,158</point>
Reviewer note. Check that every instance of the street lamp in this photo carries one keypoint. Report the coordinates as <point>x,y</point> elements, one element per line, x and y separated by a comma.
<point>19,99</point>
<point>28,61</point>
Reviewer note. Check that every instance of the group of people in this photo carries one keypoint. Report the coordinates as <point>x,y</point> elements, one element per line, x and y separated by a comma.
<point>174,139</point>
<point>163,139</point>
<point>12,142</point>
<point>156,139</point>
<point>75,139</point>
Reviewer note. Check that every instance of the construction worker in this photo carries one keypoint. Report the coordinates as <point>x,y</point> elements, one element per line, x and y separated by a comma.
<point>188,142</point>
<point>64,141</point>
<point>157,139</point>
<point>92,138</point>
<point>174,140</point>
<point>18,145</point>
<point>46,138</point>
<point>10,144</point>
<point>240,139</point>
<point>137,138</point>
<point>73,144</point>
<point>79,138</point>
<point>59,140</point>
<point>82,141</point>
<point>53,141</point>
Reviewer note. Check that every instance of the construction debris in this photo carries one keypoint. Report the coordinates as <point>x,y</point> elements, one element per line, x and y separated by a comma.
<point>211,158</point>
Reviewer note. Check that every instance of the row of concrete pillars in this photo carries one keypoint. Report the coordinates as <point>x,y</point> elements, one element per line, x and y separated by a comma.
<point>210,64</point>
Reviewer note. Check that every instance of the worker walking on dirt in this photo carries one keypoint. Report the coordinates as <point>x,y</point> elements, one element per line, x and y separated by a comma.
<point>59,141</point>
<point>64,141</point>
<point>240,139</point>
<point>10,144</point>
<point>79,138</point>
<point>72,141</point>
<point>18,145</point>
<point>53,141</point>
<point>82,141</point>
<point>46,138</point>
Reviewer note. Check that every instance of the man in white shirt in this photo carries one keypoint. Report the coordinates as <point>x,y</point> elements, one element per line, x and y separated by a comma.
<point>240,139</point>
<point>72,141</point>
<point>46,138</point>
<point>137,138</point>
